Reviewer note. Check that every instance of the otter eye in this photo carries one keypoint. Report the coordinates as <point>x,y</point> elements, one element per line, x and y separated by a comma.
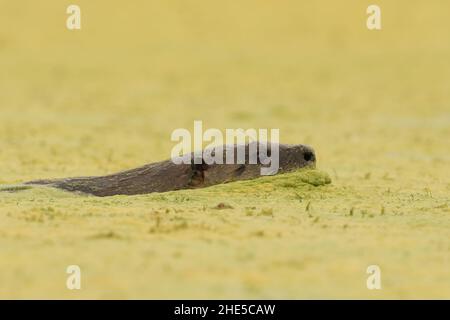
<point>308,156</point>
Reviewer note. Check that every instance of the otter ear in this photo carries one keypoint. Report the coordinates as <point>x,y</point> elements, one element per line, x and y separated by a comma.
<point>240,170</point>
<point>198,174</point>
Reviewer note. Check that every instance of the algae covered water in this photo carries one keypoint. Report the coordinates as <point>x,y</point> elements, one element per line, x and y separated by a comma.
<point>374,104</point>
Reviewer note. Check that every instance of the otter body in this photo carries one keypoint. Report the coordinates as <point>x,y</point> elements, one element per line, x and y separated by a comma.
<point>196,173</point>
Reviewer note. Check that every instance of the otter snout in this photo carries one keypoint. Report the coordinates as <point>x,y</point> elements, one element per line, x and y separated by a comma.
<point>297,156</point>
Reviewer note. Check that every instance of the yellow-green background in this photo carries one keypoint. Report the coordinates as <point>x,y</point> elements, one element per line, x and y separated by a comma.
<point>374,104</point>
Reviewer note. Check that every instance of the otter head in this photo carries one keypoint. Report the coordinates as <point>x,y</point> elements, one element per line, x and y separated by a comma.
<point>295,156</point>
<point>257,159</point>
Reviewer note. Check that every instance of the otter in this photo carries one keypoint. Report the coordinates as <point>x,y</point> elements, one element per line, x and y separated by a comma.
<point>167,176</point>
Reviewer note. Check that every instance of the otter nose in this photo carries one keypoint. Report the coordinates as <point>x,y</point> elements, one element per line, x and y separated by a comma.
<point>308,154</point>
